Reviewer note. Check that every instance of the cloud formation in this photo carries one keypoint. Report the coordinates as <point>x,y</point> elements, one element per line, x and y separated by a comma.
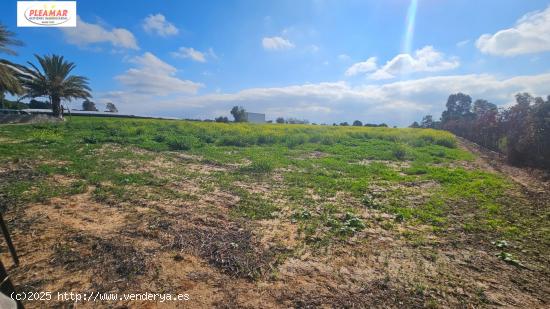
<point>159,25</point>
<point>85,34</point>
<point>531,34</point>
<point>426,59</point>
<point>276,43</point>
<point>155,77</point>
<point>344,57</point>
<point>361,67</point>
<point>397,103</point>
<point>190,53</point>
<point>462,43</point>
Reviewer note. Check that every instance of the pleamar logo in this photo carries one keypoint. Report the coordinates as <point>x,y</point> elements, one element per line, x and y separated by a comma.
<point>46,13</point>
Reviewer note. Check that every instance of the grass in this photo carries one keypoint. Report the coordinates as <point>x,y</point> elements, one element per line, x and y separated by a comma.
<point>315,163</point>
<point>407,206</point>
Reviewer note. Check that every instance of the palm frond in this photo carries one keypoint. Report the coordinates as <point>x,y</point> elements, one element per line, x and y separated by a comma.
<point>6,39</point>
<point>10,77</point>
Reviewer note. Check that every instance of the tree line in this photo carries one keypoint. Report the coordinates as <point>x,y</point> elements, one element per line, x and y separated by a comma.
<point>521,132</point>
<point>239,115</point>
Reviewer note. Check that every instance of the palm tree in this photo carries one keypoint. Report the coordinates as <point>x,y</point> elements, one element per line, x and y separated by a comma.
<point>55,82</point>
<point>8,72</point>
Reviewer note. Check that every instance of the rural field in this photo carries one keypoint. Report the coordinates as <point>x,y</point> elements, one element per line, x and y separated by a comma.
<point>243,215</point>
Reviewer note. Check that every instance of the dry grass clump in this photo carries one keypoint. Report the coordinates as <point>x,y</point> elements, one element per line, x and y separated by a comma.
<point>113,258</point>
<point>232,249</point>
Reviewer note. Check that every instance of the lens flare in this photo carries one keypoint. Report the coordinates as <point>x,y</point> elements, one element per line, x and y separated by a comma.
<point>409,30</point>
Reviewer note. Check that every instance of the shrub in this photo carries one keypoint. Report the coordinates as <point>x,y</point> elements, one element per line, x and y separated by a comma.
<point>446,142</point>
<point>399,153</point>
<point>259,167</point>
<point>182,142</point>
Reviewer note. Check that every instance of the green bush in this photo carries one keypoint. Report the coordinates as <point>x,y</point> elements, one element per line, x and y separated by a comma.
<point>399,153</point>
<point>182,142</point>
<point>259,167</point>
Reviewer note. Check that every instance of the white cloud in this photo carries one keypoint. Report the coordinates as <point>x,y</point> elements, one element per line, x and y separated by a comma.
<point>191,53</point>
<point>398,103</point>
<point>426,59</point>
<point>362,67</point>
<point>155,77</point>
<point>212,54</point>
<point>195,55</point>
<point>313,48</point>
<point>87,33</point>
<point>531,34</point>
<point>158,24</point>
<point>344,57</point>
<point>462,43</point>
<point>276,43</point>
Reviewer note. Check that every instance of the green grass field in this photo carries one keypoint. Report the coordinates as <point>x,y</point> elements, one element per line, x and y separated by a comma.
<point>333,186</point>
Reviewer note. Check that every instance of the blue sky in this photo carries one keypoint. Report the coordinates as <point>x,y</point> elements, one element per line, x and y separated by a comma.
<point>322,60</point>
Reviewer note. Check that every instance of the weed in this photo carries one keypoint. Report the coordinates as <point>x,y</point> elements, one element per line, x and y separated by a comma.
<point>509,258</point>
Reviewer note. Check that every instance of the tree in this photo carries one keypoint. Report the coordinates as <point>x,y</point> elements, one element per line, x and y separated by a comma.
<point>296,121</point>
<point>414,125</point>
<point>344,124</point>
<point>458,106</point>
<point>280,120</point>
<point>39,104</point>
<point>482,107</point>
<point>427,122</point>
<point>54,81</point>
<point>111,108</point>
<point>524,99</point>
<point>221,119</point>
<point>239,114</point>
<point>89,106</point>
<point>521,132</point>
<point>541,121</point>
<point>9,81</point>
<point>357,123</point>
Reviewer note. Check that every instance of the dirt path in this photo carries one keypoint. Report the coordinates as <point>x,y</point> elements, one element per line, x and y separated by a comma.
<point>536,182</point>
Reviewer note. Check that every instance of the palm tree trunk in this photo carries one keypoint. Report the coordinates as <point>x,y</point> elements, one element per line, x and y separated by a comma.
<point>56,107</point>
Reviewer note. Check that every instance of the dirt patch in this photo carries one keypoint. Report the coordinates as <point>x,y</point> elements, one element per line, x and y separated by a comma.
<point>279,232</point>
<point>412,194</point>
<point>204,168</point>
<point>218,198</point>
<point>314,155</point>
<point>80,212</point>
<point>377,294</point>
<point>396,165</point>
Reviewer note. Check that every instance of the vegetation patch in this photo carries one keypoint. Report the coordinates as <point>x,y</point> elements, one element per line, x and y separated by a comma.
<point>232,249</point>
<point>245,201</point>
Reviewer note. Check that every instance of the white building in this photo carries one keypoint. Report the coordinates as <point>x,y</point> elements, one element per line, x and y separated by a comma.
<point>255,117</point>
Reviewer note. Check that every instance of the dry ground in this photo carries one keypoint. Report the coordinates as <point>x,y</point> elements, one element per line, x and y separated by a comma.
<point>190,243</point>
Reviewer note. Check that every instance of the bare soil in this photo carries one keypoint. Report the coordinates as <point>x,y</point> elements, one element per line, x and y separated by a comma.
<point>195,246</point>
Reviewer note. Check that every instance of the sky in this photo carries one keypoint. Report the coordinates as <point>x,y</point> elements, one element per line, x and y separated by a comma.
<point>326,61</point>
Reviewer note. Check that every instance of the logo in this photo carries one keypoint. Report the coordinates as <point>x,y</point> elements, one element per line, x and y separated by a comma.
<point>46,13</point>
